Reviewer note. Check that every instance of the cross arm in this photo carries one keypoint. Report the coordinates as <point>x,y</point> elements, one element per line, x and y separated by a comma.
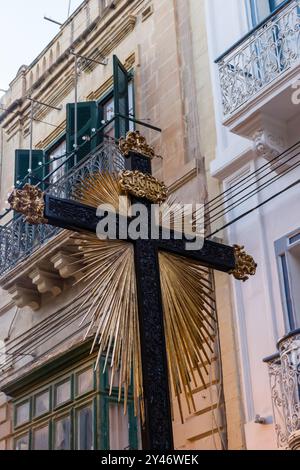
<point>212,255</point>
<point>72,215</point>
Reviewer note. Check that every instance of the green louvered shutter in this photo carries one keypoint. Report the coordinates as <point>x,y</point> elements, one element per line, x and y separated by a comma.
<point>121,98</point>
<point>87,121</point>
<point>22,166</point>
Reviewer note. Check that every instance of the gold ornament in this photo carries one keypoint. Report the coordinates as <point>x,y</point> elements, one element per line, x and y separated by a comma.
<point>245,264</point>
<point>100,188</point>
<point>142,185</point>
<point>29,201</point>
<point>134,142</point>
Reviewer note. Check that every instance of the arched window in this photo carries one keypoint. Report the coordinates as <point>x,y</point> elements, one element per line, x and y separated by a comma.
<point>38,71</point>
<point>44,64</point>
<point>51,58</point>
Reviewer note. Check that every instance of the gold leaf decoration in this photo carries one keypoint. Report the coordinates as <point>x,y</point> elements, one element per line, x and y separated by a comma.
<point>101,188</point>
<point>142,185</point>
<point>29,201</point>
<point>190,322</point>
<point>110,294</point>
<point>135,142</point>
<point>245,264</point>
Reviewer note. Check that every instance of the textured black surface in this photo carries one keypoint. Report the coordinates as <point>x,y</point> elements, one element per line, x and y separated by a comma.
<point>158,434</point>
<point>212,255</point>
<point>74,216</point>
<point>138,162</point>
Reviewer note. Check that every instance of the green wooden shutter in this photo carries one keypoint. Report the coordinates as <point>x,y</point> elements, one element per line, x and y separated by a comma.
<point>22,166</point>
<point>87,120</point>
<point>121,98</point>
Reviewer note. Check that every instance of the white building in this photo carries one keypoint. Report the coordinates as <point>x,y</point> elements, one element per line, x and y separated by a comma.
<point>258,116</point>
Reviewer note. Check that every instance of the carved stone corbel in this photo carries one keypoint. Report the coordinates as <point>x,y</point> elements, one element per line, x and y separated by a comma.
<point>25,297</point>
<point>270,141</point>
<point>47,282</point>
<point>64,263</point>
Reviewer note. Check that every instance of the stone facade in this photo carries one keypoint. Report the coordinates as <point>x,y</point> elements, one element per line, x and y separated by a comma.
<point>164,43</point>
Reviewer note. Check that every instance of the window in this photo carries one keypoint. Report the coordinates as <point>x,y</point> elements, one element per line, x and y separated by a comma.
<point>107,111</point>
<point>73,410</point>
<point>41,403</point>
<point>41,438</point>
<point>22,443</point>
<point>288,255</point>
<point>84,427</point>
<point>62,392</point>
<point>56,158</point>
<point>22,413</point>
<point>62,433</point>
<point>260,9</point>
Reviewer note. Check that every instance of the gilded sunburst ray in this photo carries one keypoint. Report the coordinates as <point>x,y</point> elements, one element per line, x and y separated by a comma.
<point>110,297</point>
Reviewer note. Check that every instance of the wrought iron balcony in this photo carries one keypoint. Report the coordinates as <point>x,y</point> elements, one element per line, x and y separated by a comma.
<point>284,374</point>
<point>261,57</point>
<point>18,239</point>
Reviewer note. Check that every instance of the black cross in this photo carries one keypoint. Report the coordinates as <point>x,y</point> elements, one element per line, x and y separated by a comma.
<point>71,215</point>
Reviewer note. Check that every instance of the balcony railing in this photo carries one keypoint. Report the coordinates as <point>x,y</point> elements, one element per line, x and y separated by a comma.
<point>18,239</point>
<point>259,58</point>
<point>284,373</point>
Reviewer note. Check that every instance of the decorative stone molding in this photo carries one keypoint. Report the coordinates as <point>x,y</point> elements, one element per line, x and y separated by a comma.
<point>42,273</point>
<point>64,264</point>
<point>47,282</point>
<point>268,145</point>
<point>25,297</point>
<point>270,141</point>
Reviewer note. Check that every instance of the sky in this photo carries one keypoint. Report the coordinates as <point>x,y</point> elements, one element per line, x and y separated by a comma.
<point>24,33</point>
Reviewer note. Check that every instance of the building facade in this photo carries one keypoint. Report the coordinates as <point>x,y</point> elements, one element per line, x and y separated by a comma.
<point>254,63</point>
<point>134,59</point>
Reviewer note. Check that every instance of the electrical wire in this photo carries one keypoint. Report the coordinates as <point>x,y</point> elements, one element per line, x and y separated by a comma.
<point>252,193</point>
<point>252,174</point>
<point>271,170</point>
<point>255,208</point>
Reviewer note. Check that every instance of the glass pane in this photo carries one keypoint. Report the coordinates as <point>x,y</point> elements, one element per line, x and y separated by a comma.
<point>22,443</point>
<point>41,438</point>
<point>62,434</point>
<point>22,413</point>
<point>85,381</point>
<point>63,392</point>
<point>42,403</point>
<point>108,114</point>
<point>57,157</point>
<point>118,427</point>
<point>85,428</point>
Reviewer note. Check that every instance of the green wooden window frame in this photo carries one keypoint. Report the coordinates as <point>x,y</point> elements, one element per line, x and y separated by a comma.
<point>98,397</point>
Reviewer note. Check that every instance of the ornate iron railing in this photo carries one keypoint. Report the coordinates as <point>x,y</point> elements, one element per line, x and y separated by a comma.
<point>284,374</point>
<point>262,56</point>
<point>18,239</point>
